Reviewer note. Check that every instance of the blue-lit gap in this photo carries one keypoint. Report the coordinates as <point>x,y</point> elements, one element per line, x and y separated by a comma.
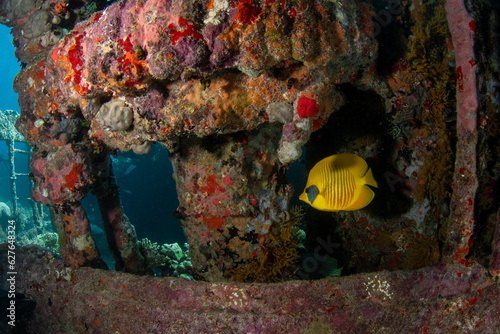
<point>91,208</point>
<point>148,195</point>
<point>147,191</point>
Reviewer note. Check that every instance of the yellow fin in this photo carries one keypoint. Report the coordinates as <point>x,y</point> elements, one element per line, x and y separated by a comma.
<point>365,197</point>
<point>339,183</point>
<point>354,163</point>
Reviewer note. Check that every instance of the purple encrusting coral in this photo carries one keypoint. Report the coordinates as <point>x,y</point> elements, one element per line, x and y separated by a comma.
<point>438,298</point>
<point>221,56</point>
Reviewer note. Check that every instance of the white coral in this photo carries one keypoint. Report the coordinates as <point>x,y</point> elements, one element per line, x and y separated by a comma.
<point>217,6</point>
<point>37,24</point>
<point>143,148</point>
<point>4,210</point>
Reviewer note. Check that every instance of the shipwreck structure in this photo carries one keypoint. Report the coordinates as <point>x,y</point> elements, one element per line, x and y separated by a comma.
<point>234,90</point>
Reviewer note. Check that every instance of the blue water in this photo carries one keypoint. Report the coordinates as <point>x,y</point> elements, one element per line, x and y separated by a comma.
<point>9,67</point>
<point>148,195</point>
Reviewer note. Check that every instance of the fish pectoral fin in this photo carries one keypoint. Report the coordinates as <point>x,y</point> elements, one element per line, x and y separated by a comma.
<point>365,197</point>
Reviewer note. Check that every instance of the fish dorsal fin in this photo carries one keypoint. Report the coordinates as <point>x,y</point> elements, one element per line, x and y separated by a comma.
<point>359,168</point>
<point>356,165</point>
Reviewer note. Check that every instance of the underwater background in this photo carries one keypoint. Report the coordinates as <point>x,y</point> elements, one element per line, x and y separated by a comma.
<point>404,130</point>
<point>183,152</point>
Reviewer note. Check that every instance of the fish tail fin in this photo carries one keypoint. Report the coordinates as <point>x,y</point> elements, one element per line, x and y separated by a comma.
<point>369,179</point>
<point>366,194</point>
<point>365,197</point>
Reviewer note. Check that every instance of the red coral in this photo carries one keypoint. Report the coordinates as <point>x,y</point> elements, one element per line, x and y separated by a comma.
<point>75,57</point>
<point>211,185</point>
<point>472,25</point>
<point>132,66</point>
<point>214,222</point>
<point>190,29</point>
<point>307,107</point>
<point>96,17</point>
<point>247,12</point>
<point>460,78</point>
<point>125,43</point>
<point>73,176</point>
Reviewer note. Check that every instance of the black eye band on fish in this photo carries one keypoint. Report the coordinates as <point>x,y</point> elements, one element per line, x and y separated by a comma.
<point>312,192</point>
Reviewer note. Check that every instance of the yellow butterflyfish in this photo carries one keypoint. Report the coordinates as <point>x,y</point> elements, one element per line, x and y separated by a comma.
<point>339,182</point>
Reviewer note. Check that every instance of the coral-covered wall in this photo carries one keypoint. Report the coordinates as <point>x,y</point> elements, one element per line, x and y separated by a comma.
<point>143,72</point>
<point>234,90</point>
<point>232,191</point>
<point>439,298</point>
